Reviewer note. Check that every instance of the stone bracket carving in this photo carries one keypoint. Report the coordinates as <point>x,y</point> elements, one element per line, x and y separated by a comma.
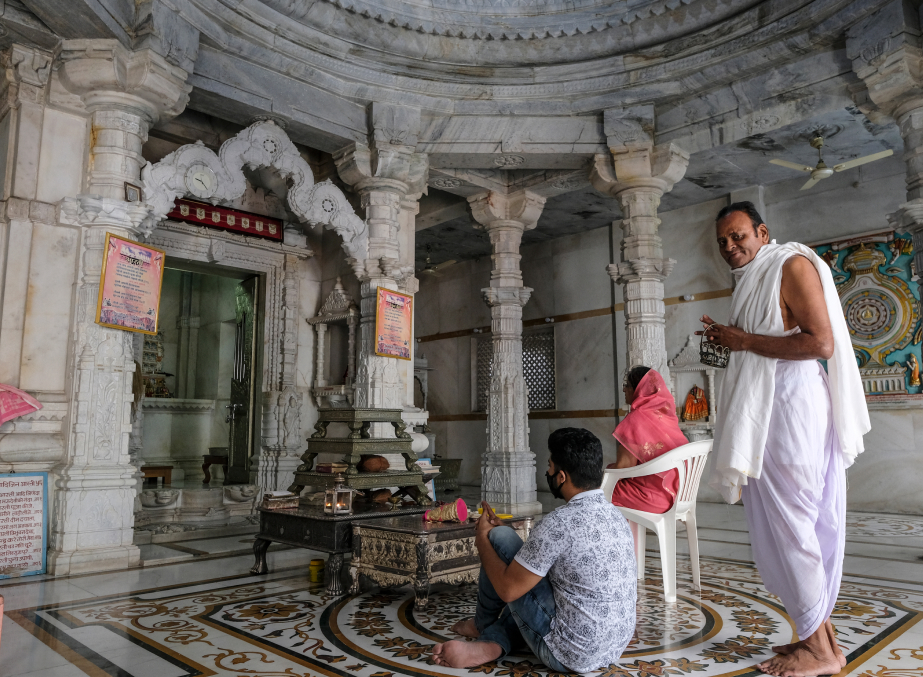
<point>652,168</point>
<point>99,69</point>
<point>886,54</point>
<point>641,269</point>
<point>263,144</point>
<point>523,207</point>
<point>506,296</point>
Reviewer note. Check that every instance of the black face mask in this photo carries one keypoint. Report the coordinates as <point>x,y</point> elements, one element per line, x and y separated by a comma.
<point>555,490</point>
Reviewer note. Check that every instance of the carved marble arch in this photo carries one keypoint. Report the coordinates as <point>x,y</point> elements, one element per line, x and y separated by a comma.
<point>262,144</point>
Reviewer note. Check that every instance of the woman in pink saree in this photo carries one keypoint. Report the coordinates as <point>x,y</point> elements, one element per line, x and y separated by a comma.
<point>649,430</point>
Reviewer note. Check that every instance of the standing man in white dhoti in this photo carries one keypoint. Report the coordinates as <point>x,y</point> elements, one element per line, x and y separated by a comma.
<point>788,429</point>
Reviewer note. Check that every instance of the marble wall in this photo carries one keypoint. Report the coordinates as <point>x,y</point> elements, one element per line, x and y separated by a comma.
<point>569,276</point>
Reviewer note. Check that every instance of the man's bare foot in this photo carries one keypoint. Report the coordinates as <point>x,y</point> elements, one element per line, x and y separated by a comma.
<point>831,637</point>
<point>466,628</point>
<point>802,662</point>
<point>460,654</point>
<point>786,649</point>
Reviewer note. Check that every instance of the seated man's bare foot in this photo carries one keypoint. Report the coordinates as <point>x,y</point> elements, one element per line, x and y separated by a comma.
<point>801,662</point>
<point>458,653</point>
<point>466,628</point>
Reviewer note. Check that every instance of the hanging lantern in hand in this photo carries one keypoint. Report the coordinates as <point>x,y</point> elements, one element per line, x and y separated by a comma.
<point>338,499</point>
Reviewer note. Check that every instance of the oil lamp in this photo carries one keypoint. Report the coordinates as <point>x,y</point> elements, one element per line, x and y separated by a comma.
<point>338,499</point>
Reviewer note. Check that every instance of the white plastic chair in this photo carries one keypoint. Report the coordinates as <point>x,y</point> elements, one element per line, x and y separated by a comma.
<point>689,460</point>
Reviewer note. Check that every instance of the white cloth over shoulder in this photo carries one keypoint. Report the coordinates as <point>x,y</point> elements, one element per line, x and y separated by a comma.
<point>746,397</point>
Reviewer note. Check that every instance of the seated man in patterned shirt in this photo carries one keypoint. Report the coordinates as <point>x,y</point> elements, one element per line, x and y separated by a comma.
<point>568,592</point>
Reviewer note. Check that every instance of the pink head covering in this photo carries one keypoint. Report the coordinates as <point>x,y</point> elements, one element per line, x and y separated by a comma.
<point>651,428</point>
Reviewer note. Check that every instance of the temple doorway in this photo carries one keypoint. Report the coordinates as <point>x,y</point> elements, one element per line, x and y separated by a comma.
<point>201,410</point>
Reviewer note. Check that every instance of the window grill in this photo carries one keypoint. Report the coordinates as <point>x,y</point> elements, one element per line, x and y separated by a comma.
<point>537,369</point>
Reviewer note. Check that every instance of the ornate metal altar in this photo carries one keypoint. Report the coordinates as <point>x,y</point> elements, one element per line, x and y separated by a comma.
<point>395,551</point>
<point>359,442</point>
<point>448,473</point>
<point>309,527</point>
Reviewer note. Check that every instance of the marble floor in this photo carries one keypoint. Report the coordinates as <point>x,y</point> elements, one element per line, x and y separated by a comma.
<point>206,616</point>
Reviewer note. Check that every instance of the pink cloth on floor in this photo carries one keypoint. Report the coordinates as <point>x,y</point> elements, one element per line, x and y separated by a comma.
<point>14,403</point>
<point>796,510</point>
<point>650,429</point>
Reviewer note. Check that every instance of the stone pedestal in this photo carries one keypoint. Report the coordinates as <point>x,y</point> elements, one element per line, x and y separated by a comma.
<point>508,467</point>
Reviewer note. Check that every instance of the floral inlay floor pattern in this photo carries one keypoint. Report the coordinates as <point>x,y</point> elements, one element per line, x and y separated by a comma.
<point>289,627</point>
<point>885,526</point>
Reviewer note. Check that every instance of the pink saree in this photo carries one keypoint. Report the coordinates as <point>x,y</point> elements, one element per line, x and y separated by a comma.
<point>649,430</point>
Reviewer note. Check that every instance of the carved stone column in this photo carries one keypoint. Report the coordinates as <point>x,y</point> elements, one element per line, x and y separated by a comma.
<point>125,92</point>
<point>386,174</point>
<point>887,55</point>
<point>638,173</point>
<point>273,466</point>
<point>508,467</point>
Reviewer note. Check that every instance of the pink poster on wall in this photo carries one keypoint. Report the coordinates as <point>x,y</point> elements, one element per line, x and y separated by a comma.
<point>129,286</point>
<point>393,324</point>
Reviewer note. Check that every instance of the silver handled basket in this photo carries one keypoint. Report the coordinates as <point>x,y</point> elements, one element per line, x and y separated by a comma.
<point>713,354</point>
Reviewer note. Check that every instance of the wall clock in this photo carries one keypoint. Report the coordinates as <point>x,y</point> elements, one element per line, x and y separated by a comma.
<point>201,181</point>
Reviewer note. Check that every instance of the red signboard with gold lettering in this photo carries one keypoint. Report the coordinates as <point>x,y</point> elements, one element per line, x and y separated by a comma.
<point>222,218</point>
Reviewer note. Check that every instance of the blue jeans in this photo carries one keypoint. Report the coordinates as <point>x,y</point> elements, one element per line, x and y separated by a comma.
<point>524,621</point>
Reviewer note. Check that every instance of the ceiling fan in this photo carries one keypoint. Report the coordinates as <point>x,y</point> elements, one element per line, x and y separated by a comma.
<point>822,171</point>
<point>429,269</point>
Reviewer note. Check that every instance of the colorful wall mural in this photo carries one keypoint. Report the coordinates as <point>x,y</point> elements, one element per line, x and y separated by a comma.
<point>878,287</point>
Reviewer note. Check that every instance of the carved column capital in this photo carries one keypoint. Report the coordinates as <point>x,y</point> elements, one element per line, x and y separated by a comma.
<point>387,177</point>
<point>638,169</point>
<point>640,269</point>
<point>108,76</point>
<point>506,296</point>
<point>885,50</point>
<point>519,210</point>
<point>26,71</point>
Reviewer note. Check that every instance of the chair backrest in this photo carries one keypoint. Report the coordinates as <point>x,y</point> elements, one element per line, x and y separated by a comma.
<point>608,485</point>
<point>690,466</point>
<point>689,460</point>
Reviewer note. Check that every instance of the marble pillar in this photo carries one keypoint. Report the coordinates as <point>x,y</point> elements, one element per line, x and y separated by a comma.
<point>508,466</point>
<point>887,55</point>
<point>390,177</point>
<point>279,454</point>
<point>638,173</point>
<point>124,92</point>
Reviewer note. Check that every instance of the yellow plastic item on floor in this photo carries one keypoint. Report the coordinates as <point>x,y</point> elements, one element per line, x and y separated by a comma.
<point>316,570</point>
<point>501,515</point>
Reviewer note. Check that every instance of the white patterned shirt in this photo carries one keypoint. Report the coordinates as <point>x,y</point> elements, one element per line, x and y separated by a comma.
<point>586,550</point>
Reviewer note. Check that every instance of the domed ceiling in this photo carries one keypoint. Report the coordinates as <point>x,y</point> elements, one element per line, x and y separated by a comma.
<point>508,49</point>
<point>528,19</point>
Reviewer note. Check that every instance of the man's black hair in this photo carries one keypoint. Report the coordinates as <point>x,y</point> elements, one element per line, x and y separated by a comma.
<point>635,374</point>
<point>747,208</point>
<point>579,453</point>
